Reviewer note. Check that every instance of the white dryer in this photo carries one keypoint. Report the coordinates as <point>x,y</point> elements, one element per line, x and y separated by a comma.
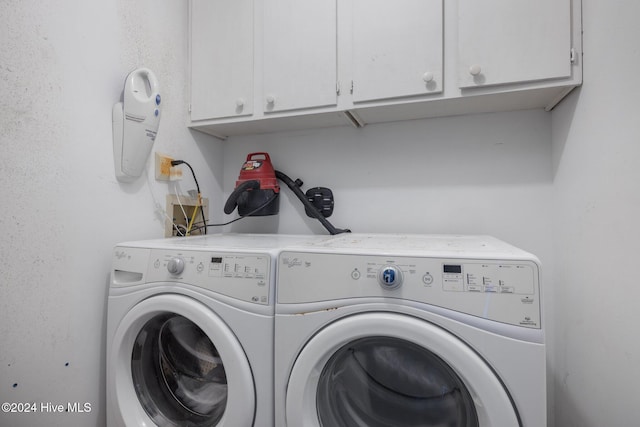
<point>190,331</point>
<point>409,330</point>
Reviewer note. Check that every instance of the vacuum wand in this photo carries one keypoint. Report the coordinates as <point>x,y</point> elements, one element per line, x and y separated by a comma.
<point>295,187</point>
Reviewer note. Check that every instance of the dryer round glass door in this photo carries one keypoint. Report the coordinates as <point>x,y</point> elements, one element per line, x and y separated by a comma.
<point>382,381</point>
<point>176,364</point>
<point>383,369</point>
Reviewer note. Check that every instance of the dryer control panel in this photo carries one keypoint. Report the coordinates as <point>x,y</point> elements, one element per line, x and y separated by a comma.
<point>506,291</point>
<point>244,276</point>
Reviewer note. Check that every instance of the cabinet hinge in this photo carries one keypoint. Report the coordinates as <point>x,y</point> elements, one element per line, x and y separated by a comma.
<point>572,56</point>
<point>351,87</point>
<point>189,108</point>
<point>338,88</point>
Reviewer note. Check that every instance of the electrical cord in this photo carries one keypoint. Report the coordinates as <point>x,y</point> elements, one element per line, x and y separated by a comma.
<point>159,210</point>
<point>184,213</point>
<point>195,211</point>
<point>262,206</point>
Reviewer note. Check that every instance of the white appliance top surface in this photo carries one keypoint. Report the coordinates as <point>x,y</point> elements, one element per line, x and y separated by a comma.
<point>422,245</point>
<point>426,245</point>
<point>227,241</point>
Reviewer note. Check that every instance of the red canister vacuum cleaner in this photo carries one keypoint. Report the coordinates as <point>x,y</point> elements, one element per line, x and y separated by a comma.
<point>257,191</point>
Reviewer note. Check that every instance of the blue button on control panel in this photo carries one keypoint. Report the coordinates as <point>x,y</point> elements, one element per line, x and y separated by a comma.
<point>390,277</point>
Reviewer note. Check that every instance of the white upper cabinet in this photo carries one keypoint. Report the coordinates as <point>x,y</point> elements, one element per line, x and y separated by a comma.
<point>299,54</point>
<point>221,58</point>
<point>397,48</point>
<point>268,65</point>
<point>513,41</point>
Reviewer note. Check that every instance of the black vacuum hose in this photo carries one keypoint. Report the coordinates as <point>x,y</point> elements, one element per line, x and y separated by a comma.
<point>310,207</point>
<point>232,201</point>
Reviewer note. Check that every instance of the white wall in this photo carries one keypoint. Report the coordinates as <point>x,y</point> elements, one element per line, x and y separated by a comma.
<point>62,67</point>
<point>596,148</point>
<point>473,174</point>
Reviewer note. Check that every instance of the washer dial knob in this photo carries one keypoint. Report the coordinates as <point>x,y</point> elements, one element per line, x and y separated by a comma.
<point>390,277</point>
<point>175,266</point>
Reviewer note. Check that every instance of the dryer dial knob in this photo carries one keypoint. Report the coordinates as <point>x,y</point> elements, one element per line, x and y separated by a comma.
<point>175,266</point>
<point>390,277</point>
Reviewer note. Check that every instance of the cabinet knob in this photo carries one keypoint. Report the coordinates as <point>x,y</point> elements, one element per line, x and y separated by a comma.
<point>271,99</point>
<point>475,69</point>
<point>427,77</point>
<point>239,102</point>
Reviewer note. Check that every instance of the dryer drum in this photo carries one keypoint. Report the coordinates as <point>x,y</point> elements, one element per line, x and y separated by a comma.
<point>383,381</point>
<point>191,367</point>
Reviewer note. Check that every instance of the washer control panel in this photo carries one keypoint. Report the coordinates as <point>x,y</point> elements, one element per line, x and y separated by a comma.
<point>502,290</point>
<point>244,276</point>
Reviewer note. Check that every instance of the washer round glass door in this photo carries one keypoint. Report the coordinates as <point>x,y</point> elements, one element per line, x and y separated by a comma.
<point>178,364</point>
<point>178,372</point>
<point>386,369</point>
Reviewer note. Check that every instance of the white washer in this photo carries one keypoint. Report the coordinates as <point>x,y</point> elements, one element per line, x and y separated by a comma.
<point>409,330</point>
<point>190,331</point>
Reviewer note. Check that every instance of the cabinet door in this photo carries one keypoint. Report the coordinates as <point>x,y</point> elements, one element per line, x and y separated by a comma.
<point>397,48</point>
<point>509,41</point>
<point>299,54</point>
<point>221,58</point>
